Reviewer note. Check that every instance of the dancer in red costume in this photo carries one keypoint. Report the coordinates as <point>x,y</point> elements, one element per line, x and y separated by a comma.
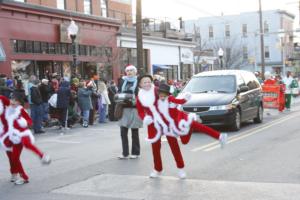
<point>20,136</point>
<point>163,118</point>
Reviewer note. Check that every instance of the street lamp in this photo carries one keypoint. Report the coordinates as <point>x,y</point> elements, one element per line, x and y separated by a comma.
<point>221,53</point>
<point>72,32</point>
<point>281,36</point>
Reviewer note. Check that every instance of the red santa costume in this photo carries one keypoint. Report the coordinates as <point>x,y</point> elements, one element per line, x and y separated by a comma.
<point>19,135</point>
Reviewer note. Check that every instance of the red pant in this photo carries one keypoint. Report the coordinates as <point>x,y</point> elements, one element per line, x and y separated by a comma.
<point>198,127</point>
<point>14,156</point>
<point>175,151</point>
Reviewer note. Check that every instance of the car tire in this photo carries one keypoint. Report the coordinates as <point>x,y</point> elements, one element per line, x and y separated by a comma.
<point>260,115</point>
<point>236,125</point>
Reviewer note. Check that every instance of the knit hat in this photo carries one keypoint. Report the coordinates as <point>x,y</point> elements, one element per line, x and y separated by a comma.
<point>130,67</point>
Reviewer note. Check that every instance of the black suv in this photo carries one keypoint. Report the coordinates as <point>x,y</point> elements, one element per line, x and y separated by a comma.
<point>225,97</point>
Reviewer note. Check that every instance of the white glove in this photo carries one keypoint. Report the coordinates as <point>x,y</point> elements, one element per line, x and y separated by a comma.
<point>187,96</point>
<point>147,120</point>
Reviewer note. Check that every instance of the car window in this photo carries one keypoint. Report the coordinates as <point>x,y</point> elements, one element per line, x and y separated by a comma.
<point>240,81</point>
<point>205,84</point>
<point>250,80</point>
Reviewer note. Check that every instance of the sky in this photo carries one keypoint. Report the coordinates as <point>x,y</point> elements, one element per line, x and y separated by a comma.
<point>193,9</point>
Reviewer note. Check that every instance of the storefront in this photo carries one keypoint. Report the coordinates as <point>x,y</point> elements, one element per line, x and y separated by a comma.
<point>35,42</point>
<point>170,58</point>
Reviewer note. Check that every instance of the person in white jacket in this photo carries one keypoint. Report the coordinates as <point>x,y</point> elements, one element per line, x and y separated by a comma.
<point>288,89</point>
<point>103,101</point>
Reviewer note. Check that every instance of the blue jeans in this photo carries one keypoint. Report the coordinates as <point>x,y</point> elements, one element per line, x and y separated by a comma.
<point>36,113</point>
<point>85,115</point>
<point>45,111</point>
<point>102,113</point>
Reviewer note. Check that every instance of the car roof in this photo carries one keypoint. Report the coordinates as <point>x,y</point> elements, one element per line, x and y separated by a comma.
<point>220,73</point>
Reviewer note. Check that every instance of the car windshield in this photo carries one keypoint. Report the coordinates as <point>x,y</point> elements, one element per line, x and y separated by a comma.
<point>208,84</point>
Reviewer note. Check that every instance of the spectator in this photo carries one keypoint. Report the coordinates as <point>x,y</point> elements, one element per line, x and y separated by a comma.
<point>112,90</point>
<point>63,100</point>
<point>103,101</point>
<point>45,93</point>
<point>288,90</point>
<point>19,93</point>
<point>36,107</point>
<point>84,102</point>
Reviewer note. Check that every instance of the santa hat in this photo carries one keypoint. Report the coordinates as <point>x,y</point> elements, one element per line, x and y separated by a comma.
<point>4,101</point>
<point>130,67</point>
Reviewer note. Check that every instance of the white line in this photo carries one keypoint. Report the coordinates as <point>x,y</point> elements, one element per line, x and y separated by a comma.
<point>215,145</point>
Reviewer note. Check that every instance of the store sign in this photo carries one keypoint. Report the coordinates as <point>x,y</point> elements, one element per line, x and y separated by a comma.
<point>64,38</point>
<point>187,56</point>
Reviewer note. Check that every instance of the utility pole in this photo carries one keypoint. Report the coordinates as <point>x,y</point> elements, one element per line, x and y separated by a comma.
<point>262,45</point>
<point>139,39</point>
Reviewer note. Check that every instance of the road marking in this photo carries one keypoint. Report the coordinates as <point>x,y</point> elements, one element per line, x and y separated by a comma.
<point>215,145</point>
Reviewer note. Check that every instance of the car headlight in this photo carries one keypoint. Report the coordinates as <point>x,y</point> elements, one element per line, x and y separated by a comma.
<point>221,107</point>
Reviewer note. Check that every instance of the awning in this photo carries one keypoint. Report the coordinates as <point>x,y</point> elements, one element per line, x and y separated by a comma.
<point>2,53</point>
<point>157,67</point>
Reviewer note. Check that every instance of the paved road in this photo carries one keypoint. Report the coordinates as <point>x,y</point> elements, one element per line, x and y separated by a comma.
<point>260,162</point>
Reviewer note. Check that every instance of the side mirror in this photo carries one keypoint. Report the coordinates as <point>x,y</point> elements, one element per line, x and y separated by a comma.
<point>243,88</point>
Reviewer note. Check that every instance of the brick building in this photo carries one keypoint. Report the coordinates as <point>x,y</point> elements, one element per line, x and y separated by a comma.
<point>33,36</point>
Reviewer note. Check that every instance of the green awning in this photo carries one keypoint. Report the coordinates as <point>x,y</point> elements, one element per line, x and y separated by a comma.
<point>2,53</point>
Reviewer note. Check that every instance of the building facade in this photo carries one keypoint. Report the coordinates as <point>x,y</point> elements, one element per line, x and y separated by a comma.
<point>238,36</point>
<point>35,40</point>
<point>170,58</point>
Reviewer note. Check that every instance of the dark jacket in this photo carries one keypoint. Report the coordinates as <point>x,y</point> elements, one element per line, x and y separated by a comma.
<point>84,99</point>
<point>45,92</point>
<point>35,94</point>
<point>63,95</point>
<point>20,94</point>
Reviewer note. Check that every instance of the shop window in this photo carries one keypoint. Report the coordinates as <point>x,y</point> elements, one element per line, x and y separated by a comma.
<point>44,47</point>
<point>69,49</point>
<point>87,7</point>
<point>87,48</point>
<point>21,46</point>
<point>93,51</point>
<point>57,47</point>
<point>29,47</point>
<point>37,47</point>
<point>51,48</point>
<point>64,49</point>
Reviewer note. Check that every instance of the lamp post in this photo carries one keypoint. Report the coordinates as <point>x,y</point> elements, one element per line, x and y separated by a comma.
<point>281,36</point>
<point>221,53</point>
<point>72,32</point>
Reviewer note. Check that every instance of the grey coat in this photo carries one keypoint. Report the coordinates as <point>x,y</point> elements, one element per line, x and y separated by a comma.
<point>84,99</point>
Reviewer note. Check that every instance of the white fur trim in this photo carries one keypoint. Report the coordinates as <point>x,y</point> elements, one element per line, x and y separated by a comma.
<point>163,107</point>
<point>147,120</point>
<point>16,136</point>
<point>155,139</point>
<point>1,107</point>
<point>22,122</point>
<point>185,125</point>
<point>2,145</point>
<point>147,99</point>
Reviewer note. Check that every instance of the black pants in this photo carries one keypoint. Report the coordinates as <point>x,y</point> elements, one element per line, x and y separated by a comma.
<point>135,149</point>
<point>63,116</point>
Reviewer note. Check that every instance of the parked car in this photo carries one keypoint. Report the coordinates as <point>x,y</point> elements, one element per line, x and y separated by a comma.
<point>225,97</point>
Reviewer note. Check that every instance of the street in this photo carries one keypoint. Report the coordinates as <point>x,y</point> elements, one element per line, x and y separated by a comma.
<point>261,161</point>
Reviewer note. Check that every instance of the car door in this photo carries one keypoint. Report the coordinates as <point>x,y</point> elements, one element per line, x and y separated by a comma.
<point>243,98</point>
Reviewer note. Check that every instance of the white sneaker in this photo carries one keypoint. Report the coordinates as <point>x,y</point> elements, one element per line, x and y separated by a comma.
<point>13,178</point>
<point>223,139</point>
<point>181,174</point>
<point>46,160</point>
<point>21,181</point>
<point>154,174</point>
<point>134,156</point>
<point>122,157</point>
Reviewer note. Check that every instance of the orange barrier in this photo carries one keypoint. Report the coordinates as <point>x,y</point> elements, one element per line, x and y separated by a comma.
<point>273,96</point>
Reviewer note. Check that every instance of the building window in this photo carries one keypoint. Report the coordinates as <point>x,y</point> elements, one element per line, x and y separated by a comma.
<point>87,7</point>
<point>244,30</point>
<point>61,4</point>
<point>103,4</point>
<point>245,53</point>
<point>37,47</point>
<point>266,27</point>
<point>227,30</point>
<point>210,32</point>
<point>267,52</point>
